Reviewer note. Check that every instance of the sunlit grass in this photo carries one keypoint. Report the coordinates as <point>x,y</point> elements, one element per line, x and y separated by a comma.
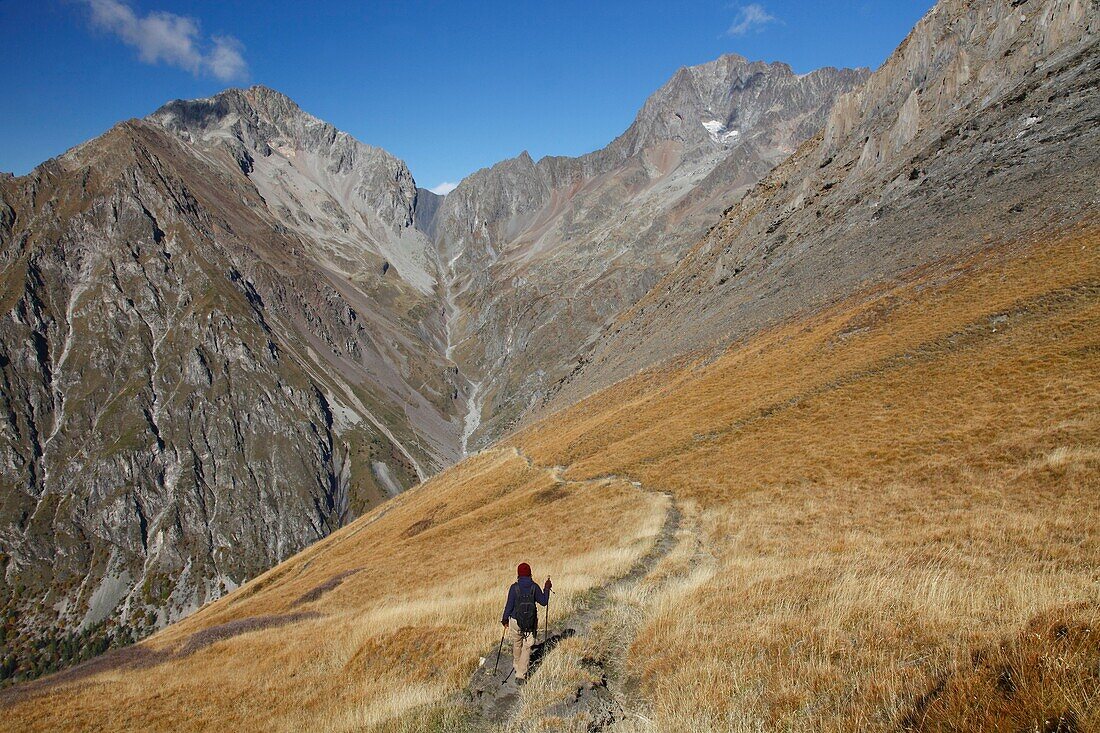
<point>886,504</point>
<point>890,520</point>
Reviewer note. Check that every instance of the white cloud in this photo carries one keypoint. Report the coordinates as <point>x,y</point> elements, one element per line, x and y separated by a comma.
<point>167,38</point>
<point>444,188</point>
<point>750,17</point>
<point>225,60</point>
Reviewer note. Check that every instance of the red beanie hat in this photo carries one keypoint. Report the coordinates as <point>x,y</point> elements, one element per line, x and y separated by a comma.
<point>524,570</point>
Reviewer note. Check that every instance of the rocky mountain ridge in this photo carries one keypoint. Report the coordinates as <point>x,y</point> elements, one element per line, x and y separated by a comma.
<point>980,129</point>
<point>194,389</point>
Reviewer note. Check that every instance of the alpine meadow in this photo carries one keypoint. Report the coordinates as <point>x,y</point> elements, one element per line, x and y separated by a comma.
<point>792,389</point>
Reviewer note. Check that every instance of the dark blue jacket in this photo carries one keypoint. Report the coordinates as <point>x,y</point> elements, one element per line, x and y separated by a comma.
<point>541,596</point>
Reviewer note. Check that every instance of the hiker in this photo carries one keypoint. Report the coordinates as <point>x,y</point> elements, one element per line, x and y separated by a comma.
<point>521,617</point>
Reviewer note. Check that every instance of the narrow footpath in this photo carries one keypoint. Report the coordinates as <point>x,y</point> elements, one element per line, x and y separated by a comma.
<point>492,694</point>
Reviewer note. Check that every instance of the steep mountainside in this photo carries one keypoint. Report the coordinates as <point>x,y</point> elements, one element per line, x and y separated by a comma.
<point>879,518</point>
<point>206,363</point>
<point>982,128</point>
<point>538,257</point>
<point>352,207</point>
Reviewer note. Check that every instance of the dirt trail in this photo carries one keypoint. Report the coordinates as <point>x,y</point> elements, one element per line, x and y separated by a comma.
<point>492,693</point>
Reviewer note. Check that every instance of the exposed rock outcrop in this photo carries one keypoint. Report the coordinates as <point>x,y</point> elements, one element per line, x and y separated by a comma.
<point>191,393</point>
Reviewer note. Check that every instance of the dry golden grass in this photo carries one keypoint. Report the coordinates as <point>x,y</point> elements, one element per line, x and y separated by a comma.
<point>904,497</point>
<point>392,642</point>
<point>890,521</point>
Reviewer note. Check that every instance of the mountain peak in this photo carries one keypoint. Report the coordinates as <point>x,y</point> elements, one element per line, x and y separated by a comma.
<point>321,181</point>
<point>725,61</point>
<point>257,103</point>
<point>723,101</point>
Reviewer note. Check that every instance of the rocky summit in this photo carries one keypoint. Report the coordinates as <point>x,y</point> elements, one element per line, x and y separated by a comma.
<point>231,328</point>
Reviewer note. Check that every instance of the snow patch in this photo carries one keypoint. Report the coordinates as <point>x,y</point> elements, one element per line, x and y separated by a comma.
<point>719,133</point>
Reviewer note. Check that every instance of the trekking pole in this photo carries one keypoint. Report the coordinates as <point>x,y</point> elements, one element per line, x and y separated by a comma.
<point>546,625</point>
<point>499,647</point>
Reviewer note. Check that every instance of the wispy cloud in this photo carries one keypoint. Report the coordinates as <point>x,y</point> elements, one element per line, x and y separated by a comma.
<point>444,188</point>
<point>750,17</point>
<point>166,38</point>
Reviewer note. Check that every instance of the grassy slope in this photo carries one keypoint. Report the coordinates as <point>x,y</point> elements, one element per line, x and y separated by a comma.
<point>903,499</point>
<point>388,613</point>
<point>892,520</point>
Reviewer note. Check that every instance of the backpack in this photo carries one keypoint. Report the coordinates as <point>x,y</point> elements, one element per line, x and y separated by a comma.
<point>526,615</point>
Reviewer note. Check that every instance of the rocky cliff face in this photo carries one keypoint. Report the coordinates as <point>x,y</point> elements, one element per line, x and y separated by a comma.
<point>352,209</point>
<point>346,199</point>
<point>540,256</point>
<point>198,378</point>
<point>979,131</point>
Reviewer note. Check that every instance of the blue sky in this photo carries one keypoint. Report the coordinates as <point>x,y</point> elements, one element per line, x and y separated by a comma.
<point>448,87</point>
